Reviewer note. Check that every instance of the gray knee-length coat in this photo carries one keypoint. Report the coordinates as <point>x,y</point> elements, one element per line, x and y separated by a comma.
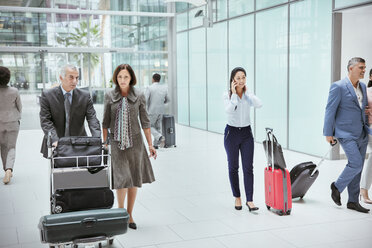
<point>130,167</point>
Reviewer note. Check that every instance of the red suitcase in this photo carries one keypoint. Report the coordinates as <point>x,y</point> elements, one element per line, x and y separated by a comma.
<point>278,192</point>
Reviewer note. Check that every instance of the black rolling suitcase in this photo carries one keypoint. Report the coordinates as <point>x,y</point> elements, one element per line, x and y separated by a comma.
<point>304,175</point>
<point>70,227</point>
<point>169,130</point>
<point>68,200</point>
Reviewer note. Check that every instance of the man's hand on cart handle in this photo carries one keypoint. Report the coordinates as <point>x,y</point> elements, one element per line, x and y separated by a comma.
<point>55,144</point>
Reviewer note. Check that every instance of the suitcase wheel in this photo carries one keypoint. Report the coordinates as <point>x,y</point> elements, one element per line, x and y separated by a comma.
<point>58,208</point>
<point>280,212</point>
<point>111,241</point>
<point>268,207</point>
<point>288,212</point>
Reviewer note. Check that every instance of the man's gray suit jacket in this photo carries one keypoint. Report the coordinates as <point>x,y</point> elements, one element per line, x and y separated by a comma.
<point>53,117</point>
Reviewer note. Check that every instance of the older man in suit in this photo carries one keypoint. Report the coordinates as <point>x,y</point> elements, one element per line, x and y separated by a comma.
<point>346,120</point>
<point>63,110</point>
<point>156,98</point>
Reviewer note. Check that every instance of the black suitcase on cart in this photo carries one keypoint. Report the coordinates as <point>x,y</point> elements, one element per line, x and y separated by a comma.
<point>69,200</point>
<point>69,227</point>
<point>304,175</point>
<point>169,130</point>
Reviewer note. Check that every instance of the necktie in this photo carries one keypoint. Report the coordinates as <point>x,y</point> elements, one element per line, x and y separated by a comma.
<point>67,111</point>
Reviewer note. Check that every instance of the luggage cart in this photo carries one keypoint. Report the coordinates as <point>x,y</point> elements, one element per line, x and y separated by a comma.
<point>66,228</point>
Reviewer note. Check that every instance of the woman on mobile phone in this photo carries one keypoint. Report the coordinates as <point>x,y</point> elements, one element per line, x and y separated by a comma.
<point>238,135</point>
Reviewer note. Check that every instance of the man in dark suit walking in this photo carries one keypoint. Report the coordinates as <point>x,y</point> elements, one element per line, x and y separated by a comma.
<point>63,110</point>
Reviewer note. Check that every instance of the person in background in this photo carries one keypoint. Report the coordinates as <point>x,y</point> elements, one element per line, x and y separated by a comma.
<point>345,119</point>
<point>10,116</point>
<point>131,166</point>
<point>238,135</point>
<point>156,98</point>
<point>64,109</point>
<point>366,180</point>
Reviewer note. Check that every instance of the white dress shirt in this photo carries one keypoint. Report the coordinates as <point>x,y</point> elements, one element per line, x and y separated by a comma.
<point>238,110</point>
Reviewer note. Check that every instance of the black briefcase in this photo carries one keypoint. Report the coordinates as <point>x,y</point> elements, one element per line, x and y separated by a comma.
<point>83,150</point>
<point>68,200</point>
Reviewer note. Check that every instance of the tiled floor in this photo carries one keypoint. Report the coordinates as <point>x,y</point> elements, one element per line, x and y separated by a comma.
<point>190,204</point>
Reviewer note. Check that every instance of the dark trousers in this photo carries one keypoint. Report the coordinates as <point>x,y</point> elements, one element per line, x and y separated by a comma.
<point>235,140</point>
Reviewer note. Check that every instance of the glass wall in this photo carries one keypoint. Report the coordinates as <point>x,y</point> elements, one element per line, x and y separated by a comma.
<point>271,72</point>
<point>145,37</point>
<point>183,79</point>
<point>197,78</point>
<point>309,77</point>
<point>346,3</point>
<point>284,49</point>
<point>217,76</point>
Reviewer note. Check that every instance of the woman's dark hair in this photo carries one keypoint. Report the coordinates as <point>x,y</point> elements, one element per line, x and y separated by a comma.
<point>4,75</point>
<point>232,75</point>
<point>127,67</point>
<point>370,81</point>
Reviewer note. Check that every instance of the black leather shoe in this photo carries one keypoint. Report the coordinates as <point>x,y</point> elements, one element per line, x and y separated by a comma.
<point>335,194</point>
<point>132,225</point>
<point>356,206</point>
<point>238,207</point>
<point>252,209</point>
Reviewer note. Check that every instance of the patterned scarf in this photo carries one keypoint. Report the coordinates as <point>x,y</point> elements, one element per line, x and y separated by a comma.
<point>123,132</point>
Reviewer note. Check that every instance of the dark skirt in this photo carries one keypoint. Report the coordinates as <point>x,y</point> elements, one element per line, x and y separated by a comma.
<point>131,167</point>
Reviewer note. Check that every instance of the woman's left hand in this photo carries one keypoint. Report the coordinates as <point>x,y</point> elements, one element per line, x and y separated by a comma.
<point>152,152</point>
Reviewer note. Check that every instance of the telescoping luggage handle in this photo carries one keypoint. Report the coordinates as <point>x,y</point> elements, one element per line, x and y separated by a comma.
<point>324,157</point>
<point>269,132</point>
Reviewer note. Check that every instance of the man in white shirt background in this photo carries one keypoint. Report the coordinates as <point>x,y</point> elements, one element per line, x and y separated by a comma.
<point>156,98</point>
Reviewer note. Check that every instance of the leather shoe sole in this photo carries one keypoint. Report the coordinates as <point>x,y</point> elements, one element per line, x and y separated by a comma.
<point>356,206</point>
<point>335,194</point>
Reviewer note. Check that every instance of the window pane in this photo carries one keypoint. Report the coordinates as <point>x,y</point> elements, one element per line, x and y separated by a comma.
<point>217,75</point>
<point>196,21</point>
<point>345,3</point>
<point>221,9</point>
<point>268,3</point>
<point>182,78</point>
<point>198,113</point>
<point>182,21</point>
<point>238,7</point>
<point>271,73</point>
<point>241,41</point>
<point>310,32</point>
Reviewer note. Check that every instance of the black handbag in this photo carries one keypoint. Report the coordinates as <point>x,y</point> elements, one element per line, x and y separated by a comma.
<point>78,147</point>
<point>279,161</point>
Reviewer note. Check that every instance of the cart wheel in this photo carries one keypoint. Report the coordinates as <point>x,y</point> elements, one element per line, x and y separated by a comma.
<point>51,246</point>
<point>281,212</point>
<point>76,246</point>
<point>268,207</point>
<point>175,146</point>
<point>99,245</point>
<point>301,197</point>
<point>111,241</point>
<point>288,212</point>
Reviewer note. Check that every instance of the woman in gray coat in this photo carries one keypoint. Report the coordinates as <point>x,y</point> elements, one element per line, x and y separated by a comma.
<point>131,165</point>
<point>10,114</point>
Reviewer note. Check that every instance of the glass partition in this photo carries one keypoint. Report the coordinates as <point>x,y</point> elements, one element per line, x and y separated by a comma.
<point>271,72</point>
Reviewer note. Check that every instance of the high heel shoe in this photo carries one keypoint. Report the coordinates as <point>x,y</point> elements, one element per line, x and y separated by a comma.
<point>238,207</point>
<point>364,195</point>
<point>252,209</point>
